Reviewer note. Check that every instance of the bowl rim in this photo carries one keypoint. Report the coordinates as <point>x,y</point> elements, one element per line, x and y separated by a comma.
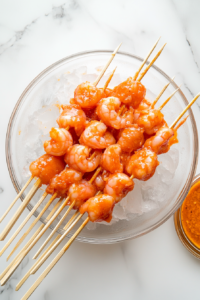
<point>187,183</point>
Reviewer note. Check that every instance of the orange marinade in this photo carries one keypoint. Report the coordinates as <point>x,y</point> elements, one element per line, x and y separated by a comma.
<point>190,215</point>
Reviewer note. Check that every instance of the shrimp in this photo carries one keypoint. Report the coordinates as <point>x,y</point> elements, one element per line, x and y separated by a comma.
<point>107,112</point>
<point>99,208</point>
<point>144,105</point>
<point>91,114</point>
<point>125,159</point>
<point>131,138</point>
<point>77,157</point>
<point>60,141</point>
<point>96,136</point>
<point>80,192</point>
<point>142,165</point>
<point>118,186</point>
<point>61,182</point>
<point>72,116</point>
<point>110,160</point>
<point>151,120</point>
<point>87,95</point>
<point>130,92</point>
<point>46,167</point>
<point>101,179</point>
<point>160,140</point>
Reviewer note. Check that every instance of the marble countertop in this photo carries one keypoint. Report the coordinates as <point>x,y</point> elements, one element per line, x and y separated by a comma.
<point>33,35</point>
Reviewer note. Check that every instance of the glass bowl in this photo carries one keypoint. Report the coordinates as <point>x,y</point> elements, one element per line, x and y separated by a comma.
<point>180,231</point>
<point>39,93</point>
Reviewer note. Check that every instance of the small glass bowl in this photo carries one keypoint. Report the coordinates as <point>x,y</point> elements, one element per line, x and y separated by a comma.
<point>154,81</point>
<point>180,231</point>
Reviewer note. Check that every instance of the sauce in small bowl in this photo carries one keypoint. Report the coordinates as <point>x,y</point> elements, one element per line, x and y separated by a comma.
<point>187,219</point>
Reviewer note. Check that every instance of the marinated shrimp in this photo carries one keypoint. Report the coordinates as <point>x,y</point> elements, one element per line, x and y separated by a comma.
<point>159,141</point>
<point>46,167</point>
<point>87,95</point>
<point>101,179</point>
<point>107,112</point>
<point>130,92</point>
<point>118,186</point>
<point>131,138</point>
<point>80,192</point>
<point>125,159</point>
<point>99,208</point>
<point>61,182</point>
<point>151,120</point>
<point>72,116</point>
<point>60,141</point>
<point>77,157</point>
<point>96,136</point>
<point>144,105</point>
<point>142,165</point>
<point>111,160</point>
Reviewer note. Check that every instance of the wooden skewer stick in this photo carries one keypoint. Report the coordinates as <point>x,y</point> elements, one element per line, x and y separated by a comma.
<point>52,233</point>
<point>55,260</point>
<point>26,276</point>
<point>151,63</point>
<point>13,265</point>
<point>109,79</point>
<point>160,94</point>
<point>44,258</point>
<point>17,197</point>
<point>17,256</point>
<point>63,218</point>
<point>184,111</point>
<point>106,66</point>
<point>23,223</point>
<point>167,100</point>
<point>145,60</point>
<point>32,225</point>
<point>19,211</point>
<point>30,241</point>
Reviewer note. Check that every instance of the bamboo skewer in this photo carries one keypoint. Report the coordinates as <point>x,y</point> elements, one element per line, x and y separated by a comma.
<point>29,242</point>
<point>167,100</point>
<point>151,63</point>
<point>23,223</point>
<point>109,79</point>
<point>160,94</point>
<point>145,60</point>
<point>13,265</point>
<point>32,225</point>
<point>184,111</point>
<point>63,218</point>
<point>17,256</point>
<point>106,66</point>
<point>19,211</point>
<point>55,260</point>
<point>26,276</point>
<point>17,197</point>
<point>44,258</point>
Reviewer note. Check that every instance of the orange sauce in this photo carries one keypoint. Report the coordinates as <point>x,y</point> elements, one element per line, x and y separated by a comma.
<point>190,215</point>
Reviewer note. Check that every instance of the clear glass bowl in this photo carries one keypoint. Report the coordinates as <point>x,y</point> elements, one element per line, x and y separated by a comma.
<point>154,81</point>
<point>180,231</point>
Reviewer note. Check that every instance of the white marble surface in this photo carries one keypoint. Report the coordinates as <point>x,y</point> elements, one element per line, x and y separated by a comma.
<point>34,34</point>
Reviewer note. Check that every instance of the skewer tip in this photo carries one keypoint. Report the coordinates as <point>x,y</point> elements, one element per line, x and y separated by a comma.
<point>117,48</point>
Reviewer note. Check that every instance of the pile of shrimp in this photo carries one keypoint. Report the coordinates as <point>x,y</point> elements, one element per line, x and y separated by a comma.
<point>105,138</point>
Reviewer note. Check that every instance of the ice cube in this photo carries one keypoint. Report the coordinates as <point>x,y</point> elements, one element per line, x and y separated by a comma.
<point>119,212</point>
